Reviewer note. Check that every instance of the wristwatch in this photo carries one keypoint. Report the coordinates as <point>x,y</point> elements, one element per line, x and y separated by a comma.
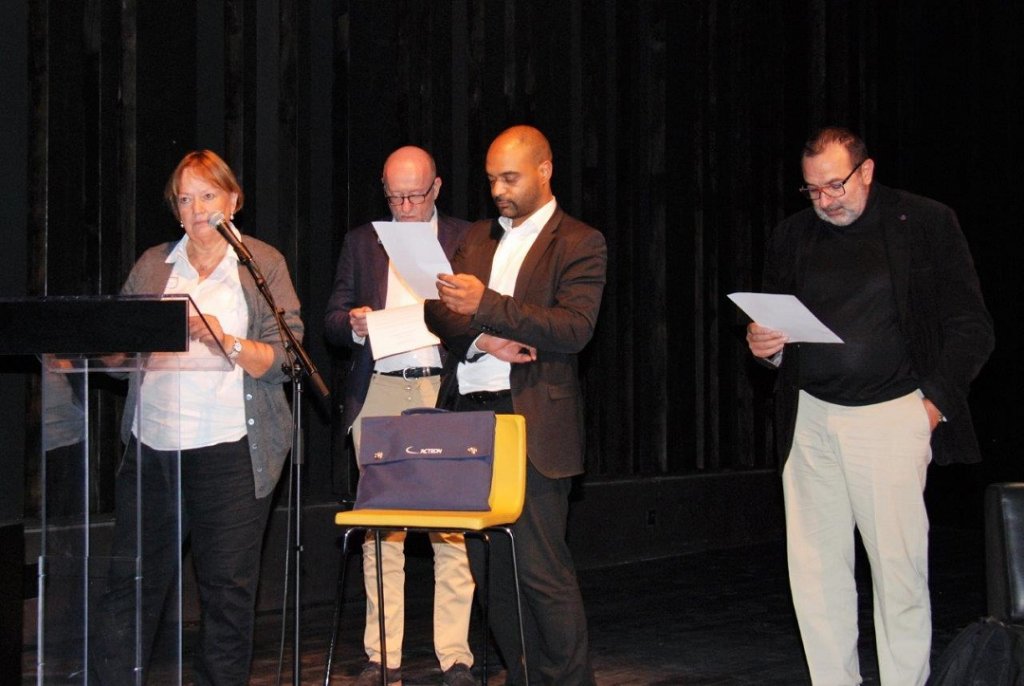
<point>236,349</point>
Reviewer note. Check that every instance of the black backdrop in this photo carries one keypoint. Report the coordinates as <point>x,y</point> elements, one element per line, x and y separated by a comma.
<point>676,128</point>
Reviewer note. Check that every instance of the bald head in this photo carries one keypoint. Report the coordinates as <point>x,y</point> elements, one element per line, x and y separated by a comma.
<point>519,169</point>
<point>531,141</point>
<point>410,175</point>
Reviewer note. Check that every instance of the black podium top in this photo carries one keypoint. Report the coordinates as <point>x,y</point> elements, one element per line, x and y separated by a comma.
<point>86,325</point>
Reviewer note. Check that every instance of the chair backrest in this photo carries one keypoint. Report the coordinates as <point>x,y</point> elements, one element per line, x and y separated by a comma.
<point>1004,551</point>
<point>508,481</point>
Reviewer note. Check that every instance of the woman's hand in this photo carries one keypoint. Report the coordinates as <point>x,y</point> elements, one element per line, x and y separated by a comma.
<point>255,357</point>
<point>210,334</point>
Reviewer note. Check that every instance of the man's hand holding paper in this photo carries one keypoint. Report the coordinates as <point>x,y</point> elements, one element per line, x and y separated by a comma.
<point>765,342</point>
<point>784,316</point>
<point>398,330</point>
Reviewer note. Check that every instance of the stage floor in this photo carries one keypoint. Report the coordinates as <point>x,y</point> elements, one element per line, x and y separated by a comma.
<point>716,618</point>
<point>719,618</point>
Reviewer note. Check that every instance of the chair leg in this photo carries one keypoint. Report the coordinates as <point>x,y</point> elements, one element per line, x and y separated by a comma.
<point>380,610</point>
<point>485,603</point>
<point>519,601</point>
<point>338,602</point>
<point>486,597</point>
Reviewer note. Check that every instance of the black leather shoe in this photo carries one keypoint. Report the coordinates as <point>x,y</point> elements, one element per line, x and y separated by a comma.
<point>458,675</point>
<point>370,676</point>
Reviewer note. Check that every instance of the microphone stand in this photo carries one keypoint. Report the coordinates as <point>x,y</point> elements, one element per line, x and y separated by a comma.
<point>300,364</point>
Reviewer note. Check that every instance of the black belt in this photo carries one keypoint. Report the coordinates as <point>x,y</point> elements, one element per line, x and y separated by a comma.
<point>413,372</point>
<point>486,396</point>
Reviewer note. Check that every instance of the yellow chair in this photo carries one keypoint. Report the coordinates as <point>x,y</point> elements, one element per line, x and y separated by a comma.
<point>508,488</point>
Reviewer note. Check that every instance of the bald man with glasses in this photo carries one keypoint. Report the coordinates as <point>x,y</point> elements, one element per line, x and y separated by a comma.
<point>858,423</point>
<point>366,281</point>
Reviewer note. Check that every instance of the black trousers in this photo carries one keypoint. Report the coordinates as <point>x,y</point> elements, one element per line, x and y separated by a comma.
<point>554,621</point>
<point>225,523</point>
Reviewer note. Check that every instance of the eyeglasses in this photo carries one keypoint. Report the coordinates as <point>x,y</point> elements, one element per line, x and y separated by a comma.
<point>415,198</point>
<point>832,190</point>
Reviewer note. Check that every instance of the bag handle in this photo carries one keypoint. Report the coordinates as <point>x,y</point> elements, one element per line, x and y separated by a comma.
<point>425,410</point>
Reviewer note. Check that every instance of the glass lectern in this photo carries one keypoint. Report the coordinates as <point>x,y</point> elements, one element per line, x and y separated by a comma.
<point>88,627</point>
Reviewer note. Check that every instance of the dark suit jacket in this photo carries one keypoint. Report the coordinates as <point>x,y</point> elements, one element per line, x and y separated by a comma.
<point>362,280</point>
<point>554,308</point>
<point>939,304</point>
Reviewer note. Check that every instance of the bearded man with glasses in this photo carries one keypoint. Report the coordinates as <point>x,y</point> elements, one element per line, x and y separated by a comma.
<point>858,423</point>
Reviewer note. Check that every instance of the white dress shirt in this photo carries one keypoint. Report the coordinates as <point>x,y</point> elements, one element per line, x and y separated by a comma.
<point>399,295</point>
<point>185,410</point>
<point>489,373</point>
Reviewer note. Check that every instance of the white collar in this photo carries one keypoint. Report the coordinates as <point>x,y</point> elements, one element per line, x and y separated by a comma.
<point>535,222</point>
<point>179,253</point>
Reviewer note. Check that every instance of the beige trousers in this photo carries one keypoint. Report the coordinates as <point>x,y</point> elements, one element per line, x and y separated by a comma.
<point>862,467</point>
<point>453,582</point>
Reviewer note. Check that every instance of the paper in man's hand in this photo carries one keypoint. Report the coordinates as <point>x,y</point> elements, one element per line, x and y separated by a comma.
<point>398,330</point>
<point>785,313</point>
<point>415,253</point>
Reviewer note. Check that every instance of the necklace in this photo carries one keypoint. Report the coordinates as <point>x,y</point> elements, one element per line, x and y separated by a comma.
<point>203,270</point>
<point>205,266</point>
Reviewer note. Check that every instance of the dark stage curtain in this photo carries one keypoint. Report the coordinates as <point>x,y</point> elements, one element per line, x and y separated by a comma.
<point>676,129</point>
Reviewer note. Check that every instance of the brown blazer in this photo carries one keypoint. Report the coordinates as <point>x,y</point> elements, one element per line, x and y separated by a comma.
<point>554,308</point>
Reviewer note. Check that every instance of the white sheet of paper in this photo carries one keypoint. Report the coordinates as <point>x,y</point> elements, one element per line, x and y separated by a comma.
<point>398,330</point>
<point>416,253</point>
<point>785,313</point>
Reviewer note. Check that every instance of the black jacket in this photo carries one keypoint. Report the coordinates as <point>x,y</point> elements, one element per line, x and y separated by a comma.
<point>938,299</point>
<point>361,280</point>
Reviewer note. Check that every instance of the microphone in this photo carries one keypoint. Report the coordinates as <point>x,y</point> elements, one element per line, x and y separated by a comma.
<point>226,229</point>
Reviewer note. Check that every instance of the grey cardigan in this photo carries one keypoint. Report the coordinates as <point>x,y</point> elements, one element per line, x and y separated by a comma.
<point>267,413</point>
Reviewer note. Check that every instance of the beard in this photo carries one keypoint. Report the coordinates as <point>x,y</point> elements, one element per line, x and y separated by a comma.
<point>839,215</point>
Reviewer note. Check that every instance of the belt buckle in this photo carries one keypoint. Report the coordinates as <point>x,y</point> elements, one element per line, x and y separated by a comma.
<point>405,372</point>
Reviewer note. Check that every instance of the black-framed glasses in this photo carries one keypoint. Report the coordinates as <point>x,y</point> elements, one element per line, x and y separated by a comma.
<point>414,198</point>
<point>835,189</point>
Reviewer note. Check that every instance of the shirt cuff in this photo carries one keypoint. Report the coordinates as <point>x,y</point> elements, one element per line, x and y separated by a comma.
<point>474,353</point>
